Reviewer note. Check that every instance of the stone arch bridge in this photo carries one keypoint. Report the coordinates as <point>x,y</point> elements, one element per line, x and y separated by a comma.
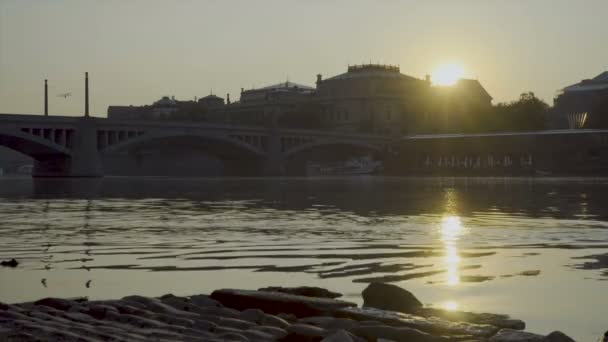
<point>65,146</point>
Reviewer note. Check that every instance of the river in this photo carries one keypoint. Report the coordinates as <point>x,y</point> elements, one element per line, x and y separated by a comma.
<point>534,248</point>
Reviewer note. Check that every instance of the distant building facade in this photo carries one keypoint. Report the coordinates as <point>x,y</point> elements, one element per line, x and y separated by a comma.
<point>583,105</point>
<point>371,98</point>
<point>289,101</point>
<point>456,108</point>
<point>366,99</point>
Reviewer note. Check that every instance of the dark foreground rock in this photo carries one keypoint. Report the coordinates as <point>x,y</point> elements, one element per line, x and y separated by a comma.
<point>277,302</point>
<point>501,321</point>
<point>237,315</point>
<point>558,336</point>
<point>393,298</point>
<point>432,325</point>
<point>390,297</point>
<point>306,291</point>
<point>510,335</point>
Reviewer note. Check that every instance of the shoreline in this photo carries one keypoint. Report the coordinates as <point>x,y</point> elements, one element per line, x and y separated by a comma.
<point>389,313</point>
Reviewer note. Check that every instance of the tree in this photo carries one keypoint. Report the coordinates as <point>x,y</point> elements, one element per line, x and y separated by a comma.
<point>526,114</point>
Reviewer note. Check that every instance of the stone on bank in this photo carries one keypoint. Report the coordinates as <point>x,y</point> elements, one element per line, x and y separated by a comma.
<point>246,315</point>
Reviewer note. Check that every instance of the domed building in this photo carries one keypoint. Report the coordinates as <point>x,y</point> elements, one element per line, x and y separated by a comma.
<point>371,98</point>
<point>211,102</point>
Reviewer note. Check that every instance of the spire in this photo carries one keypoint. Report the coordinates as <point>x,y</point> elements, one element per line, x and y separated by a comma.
<point>46,98</point>
<point>86,94</point>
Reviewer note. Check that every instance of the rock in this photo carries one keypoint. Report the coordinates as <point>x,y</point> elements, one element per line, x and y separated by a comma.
<point>305,329</point>
<point>56,303</point>
<point>510,335</point>
<point>501,321</point>
<point>304,332</point>
<point>558,336</point>
<point>340,336</point>
<point>293,337</point>
<point>277,333</point>
<point>273,321</point>
<point>390,297</point>
<point>203,300</point>
<point>257,335</point>
<point>156,305</point>
<point>218,312</point>
<point>204,325</point>
<point>374,332</point>
<point>9,263</point>
<point>99,311</point>
<point>287,317</point>
<point>307,291</point>
<point>252,315</point>
<point>276,302</point>
<point>433,325</point>
<point>232,336</point>
<point>235,323</point>
<point>329,323</point>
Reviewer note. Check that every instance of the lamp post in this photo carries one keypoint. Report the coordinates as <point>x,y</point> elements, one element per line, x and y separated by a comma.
<point>46,98</point>
<point>86,94</point>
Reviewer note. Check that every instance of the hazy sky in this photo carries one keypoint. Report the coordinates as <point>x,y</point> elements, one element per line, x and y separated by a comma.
<point>138,50</point>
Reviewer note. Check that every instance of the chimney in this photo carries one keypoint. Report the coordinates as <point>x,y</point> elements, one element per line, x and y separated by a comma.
<point>319,78</point>
<point>46,98</point>
<point>227,98</point>
<point>427,78</point>
<point>86,94</point>
<point>242,90</point>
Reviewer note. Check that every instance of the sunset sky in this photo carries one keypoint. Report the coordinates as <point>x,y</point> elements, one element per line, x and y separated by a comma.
<point>138,50</point>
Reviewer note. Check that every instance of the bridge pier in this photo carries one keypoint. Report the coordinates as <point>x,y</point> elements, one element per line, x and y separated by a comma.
<point>84,160</point>
<point>274,166</point>
<point>275,160</point>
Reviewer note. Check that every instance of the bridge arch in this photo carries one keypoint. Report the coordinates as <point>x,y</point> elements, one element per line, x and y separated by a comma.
<point>185,154</point>
<point>149,138</point>
<point>31,145</point>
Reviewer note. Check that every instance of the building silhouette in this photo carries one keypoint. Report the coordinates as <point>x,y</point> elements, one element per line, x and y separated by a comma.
<point>583,105</point>
<point>368,98</point>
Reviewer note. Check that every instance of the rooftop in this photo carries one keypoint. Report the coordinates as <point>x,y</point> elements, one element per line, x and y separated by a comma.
<point>371,71</point>
<point>599,82</point>
<point>287,85</point>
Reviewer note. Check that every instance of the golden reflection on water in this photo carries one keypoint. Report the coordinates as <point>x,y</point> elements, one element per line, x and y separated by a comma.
<point>451,229</point>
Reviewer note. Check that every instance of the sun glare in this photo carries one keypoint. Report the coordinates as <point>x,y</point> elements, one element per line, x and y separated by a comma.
<point>450,306</point>
<point>447,74</point>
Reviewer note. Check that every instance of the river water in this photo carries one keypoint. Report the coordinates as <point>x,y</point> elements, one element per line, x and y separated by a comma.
<point>532,248</point>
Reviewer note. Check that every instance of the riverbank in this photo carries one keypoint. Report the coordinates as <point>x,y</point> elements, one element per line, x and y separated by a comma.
<point>389,313</point>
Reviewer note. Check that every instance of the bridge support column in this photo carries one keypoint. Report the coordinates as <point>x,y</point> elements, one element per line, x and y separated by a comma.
<point>274,166</point>
<point>275,161</point>
<point>84,160</point>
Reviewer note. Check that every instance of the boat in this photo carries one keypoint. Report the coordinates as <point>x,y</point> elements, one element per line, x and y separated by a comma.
<point>353,166</point>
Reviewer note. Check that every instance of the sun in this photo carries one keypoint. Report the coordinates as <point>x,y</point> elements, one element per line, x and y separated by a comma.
<point>447,74</point>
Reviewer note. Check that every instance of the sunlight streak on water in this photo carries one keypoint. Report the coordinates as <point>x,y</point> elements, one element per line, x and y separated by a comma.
<point>451,228</point>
